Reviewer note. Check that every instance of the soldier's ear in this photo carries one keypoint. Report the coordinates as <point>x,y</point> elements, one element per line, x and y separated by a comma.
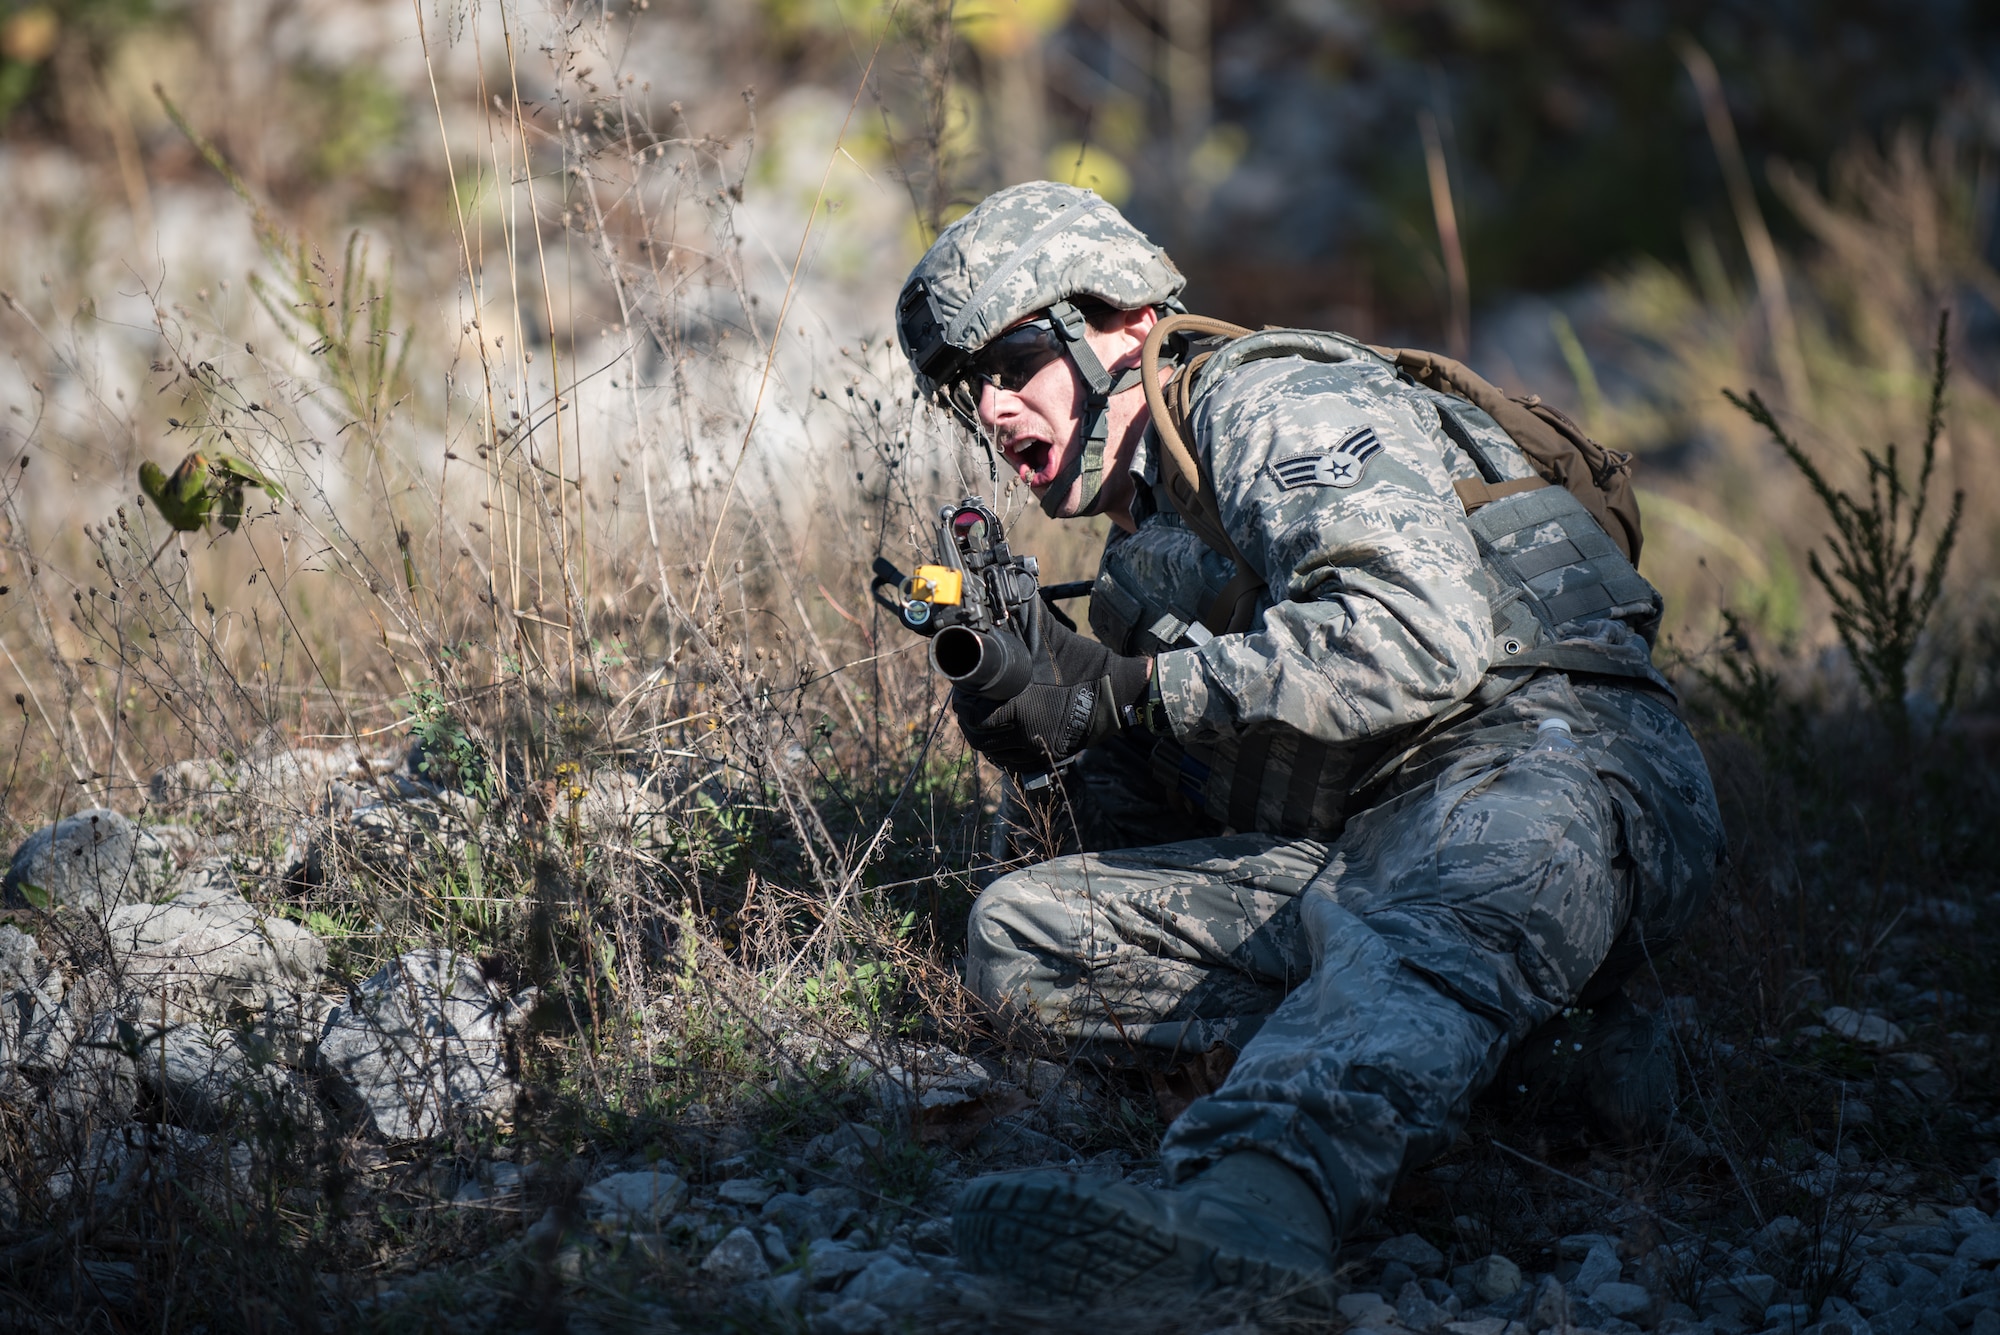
<point>1126,335</point>
<point>1140,322</point>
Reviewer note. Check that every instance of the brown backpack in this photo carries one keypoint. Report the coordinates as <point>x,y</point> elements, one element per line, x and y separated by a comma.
<point>1556,446</point>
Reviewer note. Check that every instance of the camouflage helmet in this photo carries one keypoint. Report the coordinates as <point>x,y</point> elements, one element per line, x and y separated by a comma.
<point>1029,248</point>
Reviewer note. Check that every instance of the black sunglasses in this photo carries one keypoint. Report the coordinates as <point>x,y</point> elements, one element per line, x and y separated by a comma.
<point>1008,362</point>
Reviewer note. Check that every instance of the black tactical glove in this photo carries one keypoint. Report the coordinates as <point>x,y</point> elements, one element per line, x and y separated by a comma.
<point>1081,692</point>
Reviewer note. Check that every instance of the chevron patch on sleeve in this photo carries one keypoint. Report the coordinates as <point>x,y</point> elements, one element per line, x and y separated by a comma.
<point>1341,466</point>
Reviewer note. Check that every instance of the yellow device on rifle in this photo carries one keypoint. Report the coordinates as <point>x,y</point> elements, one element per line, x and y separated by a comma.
<point>931,587</point>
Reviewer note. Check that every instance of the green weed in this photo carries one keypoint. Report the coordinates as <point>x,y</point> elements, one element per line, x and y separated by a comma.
<point>1882,592</point>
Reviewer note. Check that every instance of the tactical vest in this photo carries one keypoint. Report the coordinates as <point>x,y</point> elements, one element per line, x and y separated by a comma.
<point>1552,576</point>
<point>1147,598</point>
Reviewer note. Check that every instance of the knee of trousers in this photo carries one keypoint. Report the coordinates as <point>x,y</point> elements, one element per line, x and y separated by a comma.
<point>1012,933</point>
<point>1503,888</point>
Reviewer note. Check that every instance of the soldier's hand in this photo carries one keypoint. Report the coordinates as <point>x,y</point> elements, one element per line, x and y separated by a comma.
<point>1079,694</point>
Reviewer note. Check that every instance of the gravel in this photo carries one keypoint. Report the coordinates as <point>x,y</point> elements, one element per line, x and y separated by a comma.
<point>1412,1251</point>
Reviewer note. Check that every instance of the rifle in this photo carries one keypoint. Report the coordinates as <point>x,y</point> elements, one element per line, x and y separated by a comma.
<point>975,604</point>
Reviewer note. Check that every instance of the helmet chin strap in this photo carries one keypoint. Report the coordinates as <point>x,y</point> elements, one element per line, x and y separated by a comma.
<point>1088,464</point>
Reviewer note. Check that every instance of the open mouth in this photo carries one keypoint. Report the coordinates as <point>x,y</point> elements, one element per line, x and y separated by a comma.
<point>1033,461</point>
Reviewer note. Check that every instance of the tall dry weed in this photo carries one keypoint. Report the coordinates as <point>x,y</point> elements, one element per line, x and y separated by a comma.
<point>1895,235</point>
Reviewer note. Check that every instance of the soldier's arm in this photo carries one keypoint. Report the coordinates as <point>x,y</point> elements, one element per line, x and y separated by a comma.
<point>1376,619</point>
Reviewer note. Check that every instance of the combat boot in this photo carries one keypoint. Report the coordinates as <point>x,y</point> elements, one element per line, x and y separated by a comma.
<point>1248,1223</point>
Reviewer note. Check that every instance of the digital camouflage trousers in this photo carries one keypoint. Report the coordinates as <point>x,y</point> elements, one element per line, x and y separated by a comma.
<point>1375,982</point>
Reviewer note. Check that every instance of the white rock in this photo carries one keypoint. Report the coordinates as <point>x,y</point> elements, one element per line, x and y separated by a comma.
<point>1412,1251</point>
<point>1366,1309</point>
<point>1981,1248</point>
<point>95,860</point>
<point>1495,1278</point>
<point>748,1192</point>
<point>1600,1266</point>
<point>638,1200</point>
<point>1871,1029</point>
<point>889,1284</point>
<point>737,1259</point>
<point>421,1048</point>
<point>1628,1302</point>
<point>208,955</point>
<point>850,1317</point>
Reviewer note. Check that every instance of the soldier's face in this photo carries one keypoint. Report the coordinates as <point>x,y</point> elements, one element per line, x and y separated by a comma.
<point>1039,427</point>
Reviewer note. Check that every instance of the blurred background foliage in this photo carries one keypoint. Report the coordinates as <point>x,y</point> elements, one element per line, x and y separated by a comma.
<point>1540,185</point>
<point>1245,134</point>
<point>48,50</point>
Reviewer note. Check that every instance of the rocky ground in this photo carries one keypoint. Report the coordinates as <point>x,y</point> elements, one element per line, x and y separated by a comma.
<point>174,1031</point>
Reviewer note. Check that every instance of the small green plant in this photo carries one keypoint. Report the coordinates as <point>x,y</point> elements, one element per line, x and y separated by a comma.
<point>1882,594</point>
<point>865,991</point>
<point>448,754</point>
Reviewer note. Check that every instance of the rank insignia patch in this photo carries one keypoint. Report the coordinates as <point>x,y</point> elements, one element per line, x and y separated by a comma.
<point>1341,466</point>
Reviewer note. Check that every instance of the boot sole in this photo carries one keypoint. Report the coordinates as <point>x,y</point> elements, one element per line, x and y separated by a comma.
<point>1061,1237</point>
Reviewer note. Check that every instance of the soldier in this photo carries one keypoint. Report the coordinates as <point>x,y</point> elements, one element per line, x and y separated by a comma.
<point>1422,828</point>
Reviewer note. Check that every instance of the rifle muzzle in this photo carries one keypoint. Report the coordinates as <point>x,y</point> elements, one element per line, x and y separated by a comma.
<point>994,664</point>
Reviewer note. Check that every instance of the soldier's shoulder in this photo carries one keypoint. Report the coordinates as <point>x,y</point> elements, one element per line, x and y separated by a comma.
<point>1299,422</point>
<point>1288,397</point>
<point>1283,369</point>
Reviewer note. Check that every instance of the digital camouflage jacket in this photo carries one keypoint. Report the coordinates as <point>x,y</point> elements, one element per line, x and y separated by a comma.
<point>1388,614</point>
